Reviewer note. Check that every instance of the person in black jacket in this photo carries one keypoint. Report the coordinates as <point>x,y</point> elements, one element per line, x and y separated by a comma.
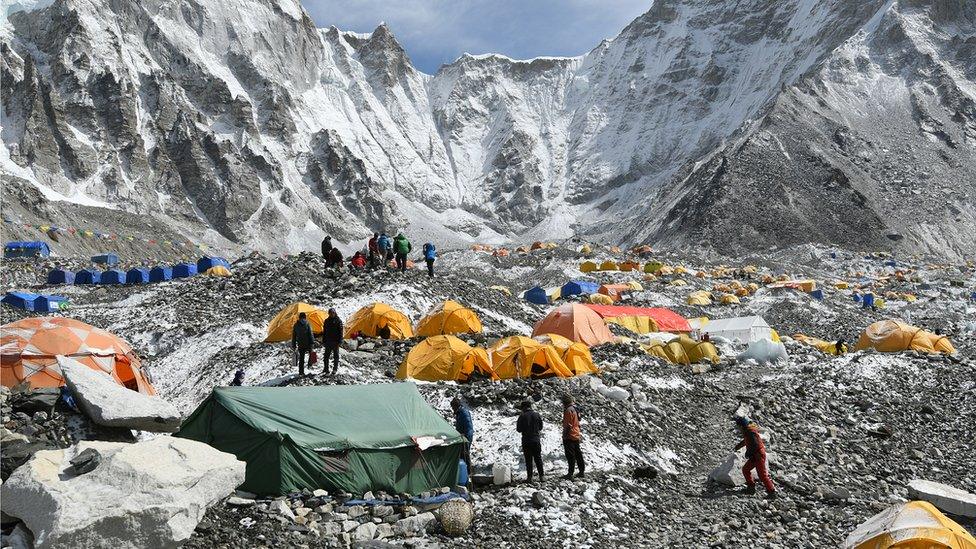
<point>334,259</point>
<point>302,341</point>
<point>326,247</point>
<point>530,425</point>
<point>331,339</point>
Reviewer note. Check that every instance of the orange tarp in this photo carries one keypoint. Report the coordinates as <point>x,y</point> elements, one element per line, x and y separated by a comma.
<point>575,322</point>
<point>29,349</point>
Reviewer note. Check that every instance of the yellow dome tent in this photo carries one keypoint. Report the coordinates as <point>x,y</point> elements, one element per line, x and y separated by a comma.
<point>698,351</point>
<point>653,267</point>
<point>588,267</point>
<point>575,355</point>
<point>608,266</point>
<point>600,299</point>
<point>371,318</point>
<point>444,358</point>
<point>678,282</point>
<point>672,351</point>
<point>729,299</point>
<point>217,270</point>
<point>523,357</point>
<point>448,317</point>
<point>892,336</point>
<point>700,297</point>
<point>910,525</point>
<point>279,329</point>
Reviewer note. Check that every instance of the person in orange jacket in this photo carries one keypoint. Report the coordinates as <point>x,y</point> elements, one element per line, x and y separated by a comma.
<point>755,456</point>
<point>572,437</point>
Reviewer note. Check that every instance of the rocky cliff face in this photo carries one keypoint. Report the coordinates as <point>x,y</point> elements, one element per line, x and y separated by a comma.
<point>745,125</point>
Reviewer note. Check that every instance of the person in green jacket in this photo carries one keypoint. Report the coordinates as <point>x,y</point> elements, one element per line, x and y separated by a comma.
<point>401,247</point>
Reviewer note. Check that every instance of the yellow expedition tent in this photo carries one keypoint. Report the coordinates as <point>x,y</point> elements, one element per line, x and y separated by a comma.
<point>448,317</point>
<point>608,266</point>
<point>588,267</point>
<point>444,358</point>
<point>280,327</point>
<point>575,355</point>
<point>910,525</point>
<point>892,336</point>
<point>369,320</point>
<point>217,270</point>
<point>524,357</point>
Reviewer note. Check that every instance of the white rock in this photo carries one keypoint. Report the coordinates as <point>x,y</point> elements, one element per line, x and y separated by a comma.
<point>365,532</point>
<point>502,474</point>
<point>147,494</point>
<point>108,403</point>
<point>282,507</point>
<point>614,393</point>
<point>729,472</point>
<point>945,497</point>
<point>413,525</point>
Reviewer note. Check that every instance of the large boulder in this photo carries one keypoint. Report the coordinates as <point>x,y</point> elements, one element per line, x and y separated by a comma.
<point>108,403</point>
<point>947,498</point>
<point>729,471</point>
<point>143,495</point>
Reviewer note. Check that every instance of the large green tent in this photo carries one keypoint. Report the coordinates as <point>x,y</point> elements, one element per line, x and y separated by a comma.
<point>353,438</point>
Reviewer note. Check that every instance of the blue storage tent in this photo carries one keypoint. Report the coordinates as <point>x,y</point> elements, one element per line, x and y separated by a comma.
<point>579,287</point>
<point>536,295</point>
<point>817,294</point>
<point>23,248</point>
<point>207,262</point>
<point>60,276</point>
<point>88,276</point>
<point>184,270</point>
<point>113,276</point>
<point>137,275</point>
<point>21,300</point>
<point>50,303</point>
<point>868,300</point>
<point>106,259</point>
<point>160,274</point>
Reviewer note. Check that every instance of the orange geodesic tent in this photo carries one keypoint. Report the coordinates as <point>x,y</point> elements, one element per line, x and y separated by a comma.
<point>524,357</point>
<point>448,317</point>
<point>29,349</point>
<point>444,358</point>
<point>575,322</point>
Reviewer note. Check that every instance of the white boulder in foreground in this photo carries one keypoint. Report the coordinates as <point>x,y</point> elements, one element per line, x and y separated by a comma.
<point>944,497</point>
<point>110,404</point>
<point>143,495</point>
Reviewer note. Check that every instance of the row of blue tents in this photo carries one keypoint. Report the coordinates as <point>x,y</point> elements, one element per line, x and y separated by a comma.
<point>41,303</point>
<point>540,296</point>
<point>137,275</point>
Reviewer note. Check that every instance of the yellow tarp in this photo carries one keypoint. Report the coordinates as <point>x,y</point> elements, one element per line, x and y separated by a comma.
<point>444,358</point>
<point>448,317</point>
<point>575,355</point>
<point>892,336</point>
<point>910,525</point>
<point>279,329</point>
<point>217,270</point>
<point>371,318</point>
<point>524,357</point>
<point>826,347</point>
<point>636,324</point>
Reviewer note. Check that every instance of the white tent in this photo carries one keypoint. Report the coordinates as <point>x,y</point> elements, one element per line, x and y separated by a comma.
<point>745,329</point>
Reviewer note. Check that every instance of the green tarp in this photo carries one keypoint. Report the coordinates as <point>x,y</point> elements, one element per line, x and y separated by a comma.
<point>353,438</point>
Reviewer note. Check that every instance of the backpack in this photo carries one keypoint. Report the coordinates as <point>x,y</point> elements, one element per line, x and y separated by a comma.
<point>383,243</point>
<point>401,246</point>
<point>430,252</point>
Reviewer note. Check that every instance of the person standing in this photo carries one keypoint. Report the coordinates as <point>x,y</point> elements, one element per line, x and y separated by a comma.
<point>755,456</point>
<point>401,247</point>
<point>335,259</point>
<point>326,247</point>
<point>302,341</point>
<point>572,437</point>
<point>373,247</point>
<point>385,248</point>
<point>464,425</point>
<point>430,255</point>
<point>238,378</point>
<point>530,425</point>
<point>331,339</point>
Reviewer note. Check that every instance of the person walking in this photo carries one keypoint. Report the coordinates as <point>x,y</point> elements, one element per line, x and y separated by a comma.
<point>755,456</point>
<point>572,437</point>
<point>331,339</point>
<point>530,425</point>
<point>401,247</point>
<point>464,425</point>
<point>326,247</point>
<point>430,255</point>
<point>301,342</point>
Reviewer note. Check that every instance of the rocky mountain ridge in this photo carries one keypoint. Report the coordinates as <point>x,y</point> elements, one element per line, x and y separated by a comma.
<point>735,125</point>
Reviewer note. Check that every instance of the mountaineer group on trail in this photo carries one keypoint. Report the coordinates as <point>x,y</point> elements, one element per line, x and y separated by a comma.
<point>453,406</point>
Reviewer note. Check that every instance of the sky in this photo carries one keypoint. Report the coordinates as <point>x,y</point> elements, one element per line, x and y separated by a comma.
<point>434,32</point>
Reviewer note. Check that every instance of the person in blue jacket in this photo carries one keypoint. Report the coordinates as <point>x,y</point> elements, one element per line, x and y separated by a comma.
<point>385,246</point>
<point>430,254</point>
<point>465,426</point>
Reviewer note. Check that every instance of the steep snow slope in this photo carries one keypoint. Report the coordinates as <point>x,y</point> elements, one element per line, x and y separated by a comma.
<point>243,119</point>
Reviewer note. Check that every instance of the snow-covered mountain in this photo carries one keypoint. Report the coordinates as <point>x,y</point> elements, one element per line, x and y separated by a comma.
<point>737,124</point>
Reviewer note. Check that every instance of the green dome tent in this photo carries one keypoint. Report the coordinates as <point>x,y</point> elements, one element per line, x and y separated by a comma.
<point>353,438</point>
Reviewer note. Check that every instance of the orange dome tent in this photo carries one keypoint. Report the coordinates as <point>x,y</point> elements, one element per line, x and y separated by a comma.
<point>372,318</point>
<point>575,322</point>
<point>449,317</point>
<point>575,355</point>
<point>30,347</point>
<point>444,358</point>
<point>523,357</point>
<point>280,327</point>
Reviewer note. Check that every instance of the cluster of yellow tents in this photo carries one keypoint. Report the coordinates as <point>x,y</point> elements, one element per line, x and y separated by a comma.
<point>653,267</point>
